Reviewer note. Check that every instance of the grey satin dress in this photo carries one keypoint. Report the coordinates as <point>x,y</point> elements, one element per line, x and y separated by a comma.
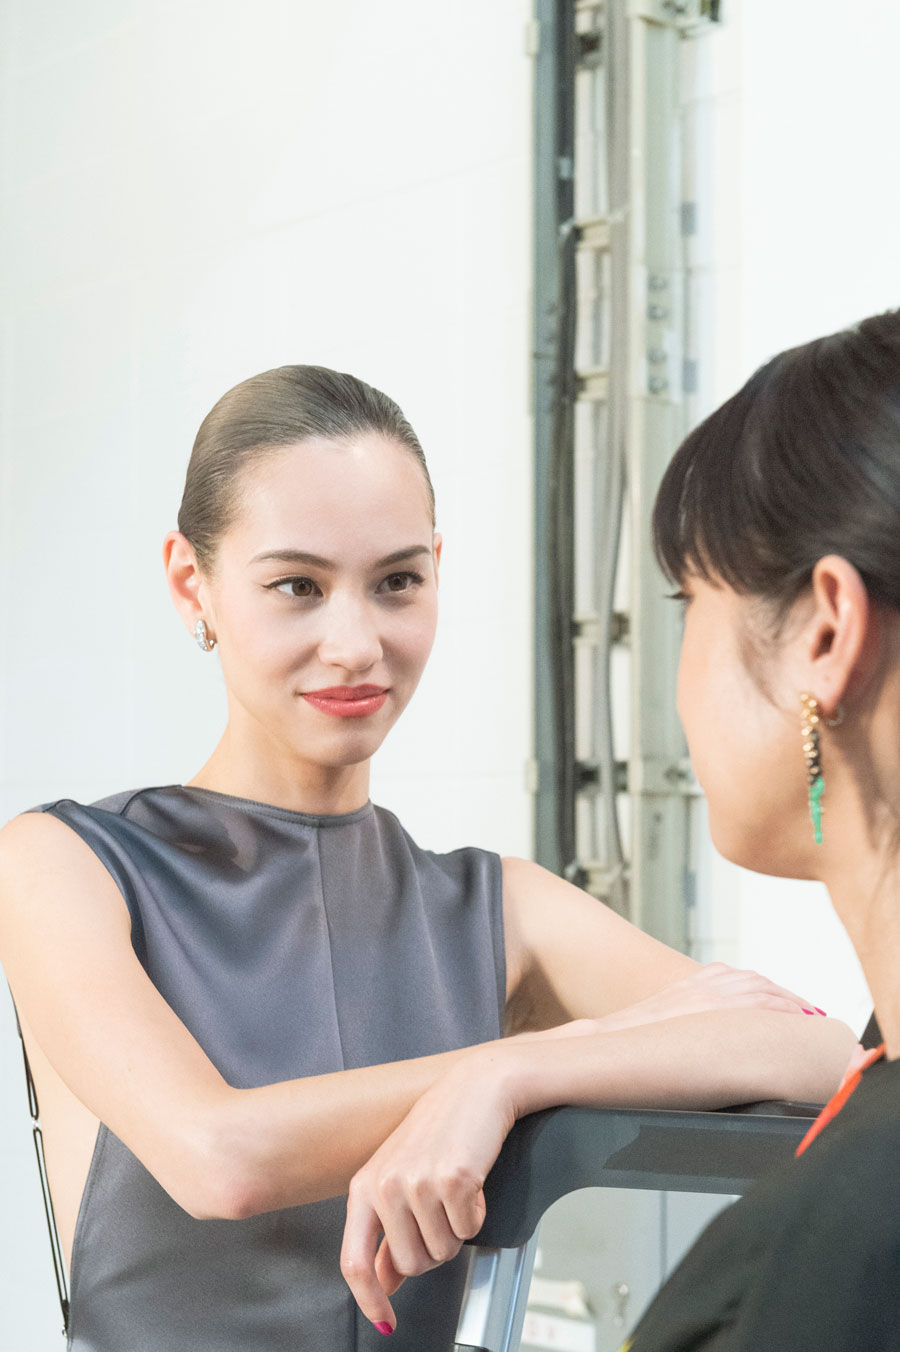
<point>289,945</point>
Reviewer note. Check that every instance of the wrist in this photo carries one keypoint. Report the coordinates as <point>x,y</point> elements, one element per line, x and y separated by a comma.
<point>493,1072</point>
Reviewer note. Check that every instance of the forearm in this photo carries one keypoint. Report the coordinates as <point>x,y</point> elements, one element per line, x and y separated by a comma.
<point>703,1061</point>
<point>303,1140</point>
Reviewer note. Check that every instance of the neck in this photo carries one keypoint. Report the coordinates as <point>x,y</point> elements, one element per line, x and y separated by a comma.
<point>267,776</point>
<point>864,885</point>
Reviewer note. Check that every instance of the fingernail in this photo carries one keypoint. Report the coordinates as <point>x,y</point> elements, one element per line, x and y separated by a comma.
<point>383,1326</point>
<point>820,1011</point>
<point>807,1011</point>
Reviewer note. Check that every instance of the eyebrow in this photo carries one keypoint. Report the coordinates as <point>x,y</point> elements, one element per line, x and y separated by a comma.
<point>316,561</point>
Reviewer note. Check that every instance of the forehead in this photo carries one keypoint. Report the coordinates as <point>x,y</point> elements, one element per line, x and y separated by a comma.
<point>321,494</point>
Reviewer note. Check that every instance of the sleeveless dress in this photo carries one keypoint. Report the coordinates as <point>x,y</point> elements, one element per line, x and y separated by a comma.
<point>289,945</point>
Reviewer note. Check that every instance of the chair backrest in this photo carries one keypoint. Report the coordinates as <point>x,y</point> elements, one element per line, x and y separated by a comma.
<point>562,1150</point>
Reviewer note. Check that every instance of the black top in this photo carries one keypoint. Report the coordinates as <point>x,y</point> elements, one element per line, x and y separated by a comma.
<point>809,1261</point>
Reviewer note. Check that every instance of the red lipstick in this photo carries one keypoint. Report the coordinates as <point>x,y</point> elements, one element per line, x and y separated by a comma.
<point>347,701</point>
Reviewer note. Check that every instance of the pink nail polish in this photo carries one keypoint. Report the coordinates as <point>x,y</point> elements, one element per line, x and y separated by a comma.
<point>808,1011</point>
<point>383,1326</point>
<point>820,1011</point>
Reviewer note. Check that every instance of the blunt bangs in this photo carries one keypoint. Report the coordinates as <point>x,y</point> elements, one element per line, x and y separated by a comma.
<point>802,462</point>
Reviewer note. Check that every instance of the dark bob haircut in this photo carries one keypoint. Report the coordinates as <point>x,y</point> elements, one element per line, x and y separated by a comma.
<point>802,462</point>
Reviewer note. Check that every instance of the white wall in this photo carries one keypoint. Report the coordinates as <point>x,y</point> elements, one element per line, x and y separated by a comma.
<point>193,193</point>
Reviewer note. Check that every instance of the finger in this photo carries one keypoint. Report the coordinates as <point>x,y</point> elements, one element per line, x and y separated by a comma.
<point>438,1234</point>
<point>800,1001</point>
<point>389,1278</point>
<point>803,1002</point>
<point>401,1228</point>
<point>772,1000</point>
<point>754,981</point>
<point>465,1210</point>
<point>362,1231</point>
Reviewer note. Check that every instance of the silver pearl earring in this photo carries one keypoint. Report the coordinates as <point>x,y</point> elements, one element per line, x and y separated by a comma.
<point>207,644</point>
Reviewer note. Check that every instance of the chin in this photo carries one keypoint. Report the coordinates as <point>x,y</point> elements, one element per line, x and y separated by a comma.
<point>346,747</point>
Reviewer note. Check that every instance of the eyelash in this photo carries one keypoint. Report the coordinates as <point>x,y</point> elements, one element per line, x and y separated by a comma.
<point>416,579</point>
<point>681,597</point>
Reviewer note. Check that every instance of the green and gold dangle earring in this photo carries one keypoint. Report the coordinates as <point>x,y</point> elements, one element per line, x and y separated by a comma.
<point>812,751</point>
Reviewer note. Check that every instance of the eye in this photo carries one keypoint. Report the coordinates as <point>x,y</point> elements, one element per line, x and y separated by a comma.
<point>401,582</point>
<point>301,587</point>
<point>683,598</point>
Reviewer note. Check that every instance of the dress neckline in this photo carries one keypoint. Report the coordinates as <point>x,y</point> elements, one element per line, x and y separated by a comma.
<point>283,813</point>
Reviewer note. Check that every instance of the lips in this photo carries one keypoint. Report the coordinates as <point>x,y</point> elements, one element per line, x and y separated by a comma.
<point>347,701</point>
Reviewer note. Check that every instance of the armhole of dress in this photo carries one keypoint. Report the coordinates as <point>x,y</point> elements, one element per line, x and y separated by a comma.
<point>59,1266</point>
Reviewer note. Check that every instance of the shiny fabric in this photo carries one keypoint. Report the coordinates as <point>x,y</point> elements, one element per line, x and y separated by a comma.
<point>289,945</point>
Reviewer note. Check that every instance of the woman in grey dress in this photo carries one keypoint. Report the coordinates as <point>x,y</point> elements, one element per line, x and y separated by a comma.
<point>232,991</point>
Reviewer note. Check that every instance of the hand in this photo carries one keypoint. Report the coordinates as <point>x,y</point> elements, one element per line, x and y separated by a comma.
<point>714,986</point>
<point>422,1189</point>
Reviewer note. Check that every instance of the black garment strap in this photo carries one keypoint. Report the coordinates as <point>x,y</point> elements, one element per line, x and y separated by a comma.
<point>55,1245</point>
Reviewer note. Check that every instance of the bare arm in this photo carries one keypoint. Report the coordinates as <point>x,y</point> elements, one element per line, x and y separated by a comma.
<point>423,1188</point>
<point>574,958</point>
<point>569,956</point>
<point>65,945</point>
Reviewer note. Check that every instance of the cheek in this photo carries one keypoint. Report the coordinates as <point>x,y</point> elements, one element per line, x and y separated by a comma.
<point>752,774</point>
<point>264,641</point>
<point>728,744</point>
<point>702,703</point>
<point>414,633</point>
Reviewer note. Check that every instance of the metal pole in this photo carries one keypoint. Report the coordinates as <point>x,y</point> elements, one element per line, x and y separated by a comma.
<point>554,318</point>
<point>494,1299</point>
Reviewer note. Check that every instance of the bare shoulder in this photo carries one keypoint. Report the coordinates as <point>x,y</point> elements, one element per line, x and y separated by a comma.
<point>44,866</point>
<point>38,841</point>
<point>541,909</point>
<point>536,906</point>
<point>530,886</point>
<point>32,834</point>
<point>521,877</point>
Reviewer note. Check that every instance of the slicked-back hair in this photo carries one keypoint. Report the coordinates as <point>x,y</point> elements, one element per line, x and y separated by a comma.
<point>281,407</point>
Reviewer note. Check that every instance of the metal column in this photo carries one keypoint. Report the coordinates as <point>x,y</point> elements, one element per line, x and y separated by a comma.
<point>610,756</point>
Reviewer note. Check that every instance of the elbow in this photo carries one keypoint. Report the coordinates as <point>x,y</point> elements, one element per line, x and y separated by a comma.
<point>841,1044</point>
<point>825,1058</point>
<point>228,1197</point>
<point>218,1177</point>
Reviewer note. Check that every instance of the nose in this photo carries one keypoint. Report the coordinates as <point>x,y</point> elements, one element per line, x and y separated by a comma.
<point>350,636</point>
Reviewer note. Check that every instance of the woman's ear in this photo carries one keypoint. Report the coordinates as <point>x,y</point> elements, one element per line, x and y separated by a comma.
<point>185,579</point>
<point>842,635</point>
<point>438,545</point>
